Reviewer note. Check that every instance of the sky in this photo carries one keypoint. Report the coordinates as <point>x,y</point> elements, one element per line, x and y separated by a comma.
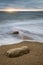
<point>21,3</point>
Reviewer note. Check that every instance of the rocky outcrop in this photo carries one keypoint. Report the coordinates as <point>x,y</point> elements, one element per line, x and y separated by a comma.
<point>14,32</point>
<point>15,52</point>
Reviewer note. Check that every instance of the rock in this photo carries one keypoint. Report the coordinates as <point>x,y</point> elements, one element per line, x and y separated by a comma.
<point>15,52</point>
<point>15,32</point>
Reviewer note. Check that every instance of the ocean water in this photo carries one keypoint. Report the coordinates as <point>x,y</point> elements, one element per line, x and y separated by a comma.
<point>29,24</point>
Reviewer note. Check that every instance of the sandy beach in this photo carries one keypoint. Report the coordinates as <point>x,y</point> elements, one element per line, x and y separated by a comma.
<point>34,57</point>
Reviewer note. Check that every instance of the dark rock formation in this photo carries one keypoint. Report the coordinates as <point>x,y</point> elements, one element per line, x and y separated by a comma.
<point>15,32</point>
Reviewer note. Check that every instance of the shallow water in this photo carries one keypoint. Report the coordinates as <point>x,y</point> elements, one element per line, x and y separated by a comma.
<point>28,24</point>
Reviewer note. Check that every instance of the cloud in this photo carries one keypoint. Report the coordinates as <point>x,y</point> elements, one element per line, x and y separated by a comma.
<point>21,3</point>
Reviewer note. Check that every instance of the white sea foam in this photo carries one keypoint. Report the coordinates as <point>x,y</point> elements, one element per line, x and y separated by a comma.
<point>29,28</point>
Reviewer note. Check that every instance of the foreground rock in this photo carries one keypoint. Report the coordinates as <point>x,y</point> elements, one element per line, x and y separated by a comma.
<point>15,52</point>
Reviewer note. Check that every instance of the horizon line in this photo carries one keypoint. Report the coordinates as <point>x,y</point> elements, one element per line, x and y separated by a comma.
<point>20,9</point>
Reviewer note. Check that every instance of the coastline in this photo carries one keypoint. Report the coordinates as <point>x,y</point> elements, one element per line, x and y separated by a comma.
<point>34,57</point>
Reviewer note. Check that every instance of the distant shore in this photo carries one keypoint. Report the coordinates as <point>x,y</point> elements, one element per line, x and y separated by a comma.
<point>34,57</point>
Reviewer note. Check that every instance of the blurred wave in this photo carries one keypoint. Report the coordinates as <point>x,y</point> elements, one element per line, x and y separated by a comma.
<point>20,15</point>
<point>28,24</point>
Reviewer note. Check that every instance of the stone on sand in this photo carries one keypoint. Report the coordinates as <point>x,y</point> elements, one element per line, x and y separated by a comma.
<point>16,52</point>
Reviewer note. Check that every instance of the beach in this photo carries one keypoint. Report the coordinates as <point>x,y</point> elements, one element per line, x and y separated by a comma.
<point>21,32</point>
<point>29,26</point>
<point>34,57</point>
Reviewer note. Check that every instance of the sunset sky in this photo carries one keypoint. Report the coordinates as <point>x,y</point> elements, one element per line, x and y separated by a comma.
<point>21,4</point>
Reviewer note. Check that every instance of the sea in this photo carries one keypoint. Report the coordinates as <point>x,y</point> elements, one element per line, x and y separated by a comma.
<point>27,23</point>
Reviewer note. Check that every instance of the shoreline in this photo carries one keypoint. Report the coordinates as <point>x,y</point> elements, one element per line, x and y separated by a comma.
<point>34,41</point>
<point>23,38</point>
<point>34,57</point>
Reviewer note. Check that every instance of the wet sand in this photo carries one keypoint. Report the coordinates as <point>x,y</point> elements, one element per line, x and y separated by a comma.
<point>34,57</point>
